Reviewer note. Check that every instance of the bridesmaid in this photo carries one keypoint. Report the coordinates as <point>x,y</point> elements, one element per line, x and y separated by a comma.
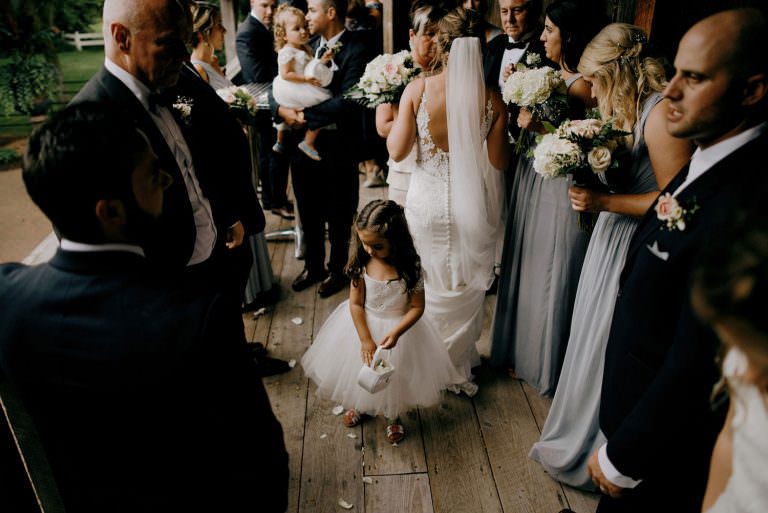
<point>424,16</point>
<point>544,247</point>
<point>628,87</point>
<point>208,36</point>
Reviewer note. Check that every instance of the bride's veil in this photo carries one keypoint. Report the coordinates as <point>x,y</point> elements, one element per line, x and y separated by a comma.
<point>476,188</point>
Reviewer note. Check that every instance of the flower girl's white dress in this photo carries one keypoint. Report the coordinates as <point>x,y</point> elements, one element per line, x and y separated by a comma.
<point>422,365</point>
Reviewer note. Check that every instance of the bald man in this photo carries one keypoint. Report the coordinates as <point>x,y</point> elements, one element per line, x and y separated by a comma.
<point>145,46</point>
<point>660,360</point>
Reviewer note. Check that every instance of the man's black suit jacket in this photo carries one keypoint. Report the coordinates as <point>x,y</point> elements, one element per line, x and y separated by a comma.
<point>220,148</point>
<point>256,51</point>
<point>494,52</point>
<point>660,359</point>
<point>141,388</point>
<point>174,241</point>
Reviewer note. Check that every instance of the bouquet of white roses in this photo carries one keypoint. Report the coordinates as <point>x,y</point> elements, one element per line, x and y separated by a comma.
<point>384,79</point>
<point>540,90</point>
<point>239,100</point>
<point>582,148</point>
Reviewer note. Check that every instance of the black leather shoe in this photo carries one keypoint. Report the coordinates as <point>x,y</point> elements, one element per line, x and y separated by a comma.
<point>257,349</point>
<point>331,285</point>
<point>306,279</point>
<point>270,366</point>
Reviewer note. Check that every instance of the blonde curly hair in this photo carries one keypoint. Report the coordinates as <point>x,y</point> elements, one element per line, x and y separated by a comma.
<point>624,77</point>
<point>281,18</point>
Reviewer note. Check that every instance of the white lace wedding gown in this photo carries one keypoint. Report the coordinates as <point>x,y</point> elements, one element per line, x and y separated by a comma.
<point>455,310</point>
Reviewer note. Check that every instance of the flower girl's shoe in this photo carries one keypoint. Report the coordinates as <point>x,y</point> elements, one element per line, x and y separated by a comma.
<point>468,387</point>
<point>309,152</point>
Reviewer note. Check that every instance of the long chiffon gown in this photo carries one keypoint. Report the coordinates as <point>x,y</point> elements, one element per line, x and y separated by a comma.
<point>456,311</point>
<point>571,432</point>
<point>543,252</point>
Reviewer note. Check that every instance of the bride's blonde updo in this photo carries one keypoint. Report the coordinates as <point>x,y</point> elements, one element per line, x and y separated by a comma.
<point>624,77</point>
<point>456,23</point>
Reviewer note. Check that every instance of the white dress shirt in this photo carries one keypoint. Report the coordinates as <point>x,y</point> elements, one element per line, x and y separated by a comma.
<point>512,56</point>
<point>205,238</point>
<point>82,247</point>
<point>329,44</point>
<point>703,160</point>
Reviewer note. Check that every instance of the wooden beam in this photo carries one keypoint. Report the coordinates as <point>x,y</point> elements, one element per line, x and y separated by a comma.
<point>229,20</point>
<point>644,10</point>
<point>388,26</point>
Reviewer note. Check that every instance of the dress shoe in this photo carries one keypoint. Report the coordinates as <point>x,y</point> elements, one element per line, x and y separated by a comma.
<point>267,366</point>
<point>257,349</point>
<point>331,285</point>
<point>283,212</point>
<point>566,510</point>
<point>306,279</point>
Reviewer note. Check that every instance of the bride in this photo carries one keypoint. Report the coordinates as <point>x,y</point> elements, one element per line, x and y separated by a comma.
<point>454,201</point>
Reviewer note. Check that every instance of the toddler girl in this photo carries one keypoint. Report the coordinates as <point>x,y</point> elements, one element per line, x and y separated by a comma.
<point>298,84</point>
<point>386,302</point>
<point>731,292</point>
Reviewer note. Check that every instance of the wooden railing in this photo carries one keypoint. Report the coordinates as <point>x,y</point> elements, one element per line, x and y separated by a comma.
<point>81,39</point>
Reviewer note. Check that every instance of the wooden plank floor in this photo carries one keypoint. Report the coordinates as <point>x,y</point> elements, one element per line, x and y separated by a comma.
<point>461,456</point>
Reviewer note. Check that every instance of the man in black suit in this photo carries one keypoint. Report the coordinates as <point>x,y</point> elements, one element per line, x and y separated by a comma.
<point>520,23</point>
<point>327,191</point>
<point>660,360</point>
<point>258,62</point>
<point>145,50</point>
<point>140,386</point>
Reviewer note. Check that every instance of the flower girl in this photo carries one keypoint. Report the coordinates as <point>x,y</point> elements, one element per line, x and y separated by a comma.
<point>386,302</point>
<point>298,83</point>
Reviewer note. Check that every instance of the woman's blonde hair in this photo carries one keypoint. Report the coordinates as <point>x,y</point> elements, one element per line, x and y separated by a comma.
<point>281,17</point>
<point>204,17</point>
<point>624,77</point>
<point>456,23</point>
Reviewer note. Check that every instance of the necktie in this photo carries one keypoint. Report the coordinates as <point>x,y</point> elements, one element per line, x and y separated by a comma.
<point>321,51</point>
<point>511,45</point>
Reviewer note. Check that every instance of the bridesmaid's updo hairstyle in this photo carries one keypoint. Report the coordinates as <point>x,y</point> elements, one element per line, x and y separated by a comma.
<point>281,16</point>
<point>386,218</point>
<point>456,23</point>
<point>204,17</point>
<point>615,60</point>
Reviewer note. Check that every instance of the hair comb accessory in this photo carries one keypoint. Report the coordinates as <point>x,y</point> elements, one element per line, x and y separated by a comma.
<point>639,37</point>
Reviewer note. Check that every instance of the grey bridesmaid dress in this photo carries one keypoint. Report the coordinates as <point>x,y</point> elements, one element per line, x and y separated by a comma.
<point>571,432</point>
<point>543,252</point>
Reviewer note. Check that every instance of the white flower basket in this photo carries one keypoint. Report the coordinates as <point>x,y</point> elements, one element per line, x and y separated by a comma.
<point>376,377</point>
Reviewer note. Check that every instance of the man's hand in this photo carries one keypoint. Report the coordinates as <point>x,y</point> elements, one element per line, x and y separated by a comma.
<point>235,235</point>
<point>293,117</point>
<point>508,70</point>
<point>599,478</point>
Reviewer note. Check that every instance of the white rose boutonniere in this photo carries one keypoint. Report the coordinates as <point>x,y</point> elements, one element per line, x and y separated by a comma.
<point>672,214</point>
<point>184,104</point>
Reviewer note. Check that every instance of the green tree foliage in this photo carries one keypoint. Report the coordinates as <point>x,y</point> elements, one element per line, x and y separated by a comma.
<point>77,15</point>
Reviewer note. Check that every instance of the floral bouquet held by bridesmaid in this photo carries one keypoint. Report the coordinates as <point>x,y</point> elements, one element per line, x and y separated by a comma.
<point>240,102</point>
<point>384,79</point>
<point>584,149</point>
<point>540,90</point>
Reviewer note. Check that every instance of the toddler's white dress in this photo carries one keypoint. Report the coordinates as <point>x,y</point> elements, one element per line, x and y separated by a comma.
<point>295,95</point>
<point>422,365</point>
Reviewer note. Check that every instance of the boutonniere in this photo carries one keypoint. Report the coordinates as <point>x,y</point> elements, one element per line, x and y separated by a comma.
<point>183,105</point>
<point>336,47</point>
<point>533,59</point>
<point>675,216</point>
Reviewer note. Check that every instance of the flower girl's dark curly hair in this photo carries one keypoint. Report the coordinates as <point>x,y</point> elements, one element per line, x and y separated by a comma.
<point>386,218</point>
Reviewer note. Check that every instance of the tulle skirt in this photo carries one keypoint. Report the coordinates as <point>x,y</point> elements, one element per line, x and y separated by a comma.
<point>423,368</point>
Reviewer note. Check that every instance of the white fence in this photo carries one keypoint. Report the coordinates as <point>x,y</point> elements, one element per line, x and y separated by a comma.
<point>81,39</point>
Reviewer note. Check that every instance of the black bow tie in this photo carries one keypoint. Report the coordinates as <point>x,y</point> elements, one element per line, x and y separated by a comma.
<point>520,44</point>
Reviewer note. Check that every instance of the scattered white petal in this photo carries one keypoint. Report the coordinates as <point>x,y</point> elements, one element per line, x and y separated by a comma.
<point>351,435</point>
<point>394,444</point>
<point>298,321</point>
<point>291,363</point>
<point>344,504</point>
<point>338,410</point>
<point>258,313</point>
<point>367,480</point>
<point>324,435</point>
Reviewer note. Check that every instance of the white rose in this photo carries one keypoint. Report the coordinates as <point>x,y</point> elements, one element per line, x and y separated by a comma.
<point>599,159</point>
